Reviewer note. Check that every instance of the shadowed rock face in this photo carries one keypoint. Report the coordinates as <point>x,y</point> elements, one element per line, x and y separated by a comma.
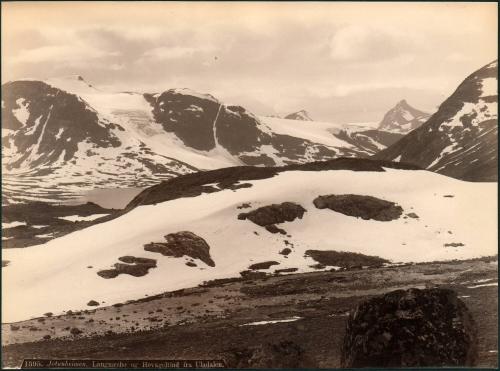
<point>365,207</point>
<point>273,214</point>
<point>239,131</point>
<point>412,328</point>
<point>183,244</point>
<point>204,123</point>
<point>55,123</point>
<point>190,117</point>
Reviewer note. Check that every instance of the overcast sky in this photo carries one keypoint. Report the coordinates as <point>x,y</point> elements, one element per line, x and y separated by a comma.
<point>343,62</point>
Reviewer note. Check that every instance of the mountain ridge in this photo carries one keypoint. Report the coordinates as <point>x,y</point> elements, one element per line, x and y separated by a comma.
<point>461,139</point>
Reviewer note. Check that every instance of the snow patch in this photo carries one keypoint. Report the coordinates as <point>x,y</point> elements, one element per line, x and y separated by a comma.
<point>489,87</point>
<point>21,114</point>
<point>483,285</point>
<point>12,224</point>
<point>78,218</point>
<point>258,323</point>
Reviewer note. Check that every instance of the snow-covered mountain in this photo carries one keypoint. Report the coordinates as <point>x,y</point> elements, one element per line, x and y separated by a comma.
<point>461,138</point>
<point>402,118</point>
<point>370,140</point>
<point>356,139</point>
<point>64,136</point>
<point>204,226</point>
<point>299,115</point>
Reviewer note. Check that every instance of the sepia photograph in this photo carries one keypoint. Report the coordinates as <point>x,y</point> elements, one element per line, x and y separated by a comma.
<point>263,185</point>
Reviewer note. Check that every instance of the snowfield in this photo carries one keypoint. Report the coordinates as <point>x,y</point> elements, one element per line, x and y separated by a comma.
<point>62,274</point>
<point>315,131</point>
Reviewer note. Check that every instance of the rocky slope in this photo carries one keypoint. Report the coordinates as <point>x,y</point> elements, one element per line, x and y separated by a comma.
<point>63,136</point>
<point>280,320</point>
<point>461,138</point>
<point>403,118</point>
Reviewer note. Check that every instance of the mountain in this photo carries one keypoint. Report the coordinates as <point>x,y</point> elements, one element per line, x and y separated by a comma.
<point>403,118</point>
<point>355,140</point>
<point>63,136</point>
<point>370,140</point>
<point>253,220</point>
<point>461,139</point>
<point>299,115</point>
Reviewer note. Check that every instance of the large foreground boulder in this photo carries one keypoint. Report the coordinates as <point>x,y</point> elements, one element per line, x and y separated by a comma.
<point>410,328</point>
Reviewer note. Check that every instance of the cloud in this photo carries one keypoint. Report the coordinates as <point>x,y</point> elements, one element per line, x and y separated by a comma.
<point>326,57</point>
<point>362,43</point>
<point>61,53</point>
<point>175,52</point>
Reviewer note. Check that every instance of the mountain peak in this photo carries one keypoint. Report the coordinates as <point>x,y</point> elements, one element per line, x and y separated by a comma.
<point>302,115</point>
<point>403,118</point>
<point>74,84</point>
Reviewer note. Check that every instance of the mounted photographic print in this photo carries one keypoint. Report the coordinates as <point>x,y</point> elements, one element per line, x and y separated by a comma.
<point>249,184</point>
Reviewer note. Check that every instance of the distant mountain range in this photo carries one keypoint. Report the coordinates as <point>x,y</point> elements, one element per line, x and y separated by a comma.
<point>62,136</point>
<point>461,138</point>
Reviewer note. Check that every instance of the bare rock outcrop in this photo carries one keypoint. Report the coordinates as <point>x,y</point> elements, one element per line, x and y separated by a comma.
<point>270,215</point>
<point>365,207</point>
<point>183,243</point>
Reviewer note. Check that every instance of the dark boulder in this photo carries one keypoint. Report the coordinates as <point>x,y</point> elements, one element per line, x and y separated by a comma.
<point>183,243</point>
<point>410,328</point>
<point>344,259</point>
<point>365,207</point>
<point>275,213</point>
<point>286,251</point>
